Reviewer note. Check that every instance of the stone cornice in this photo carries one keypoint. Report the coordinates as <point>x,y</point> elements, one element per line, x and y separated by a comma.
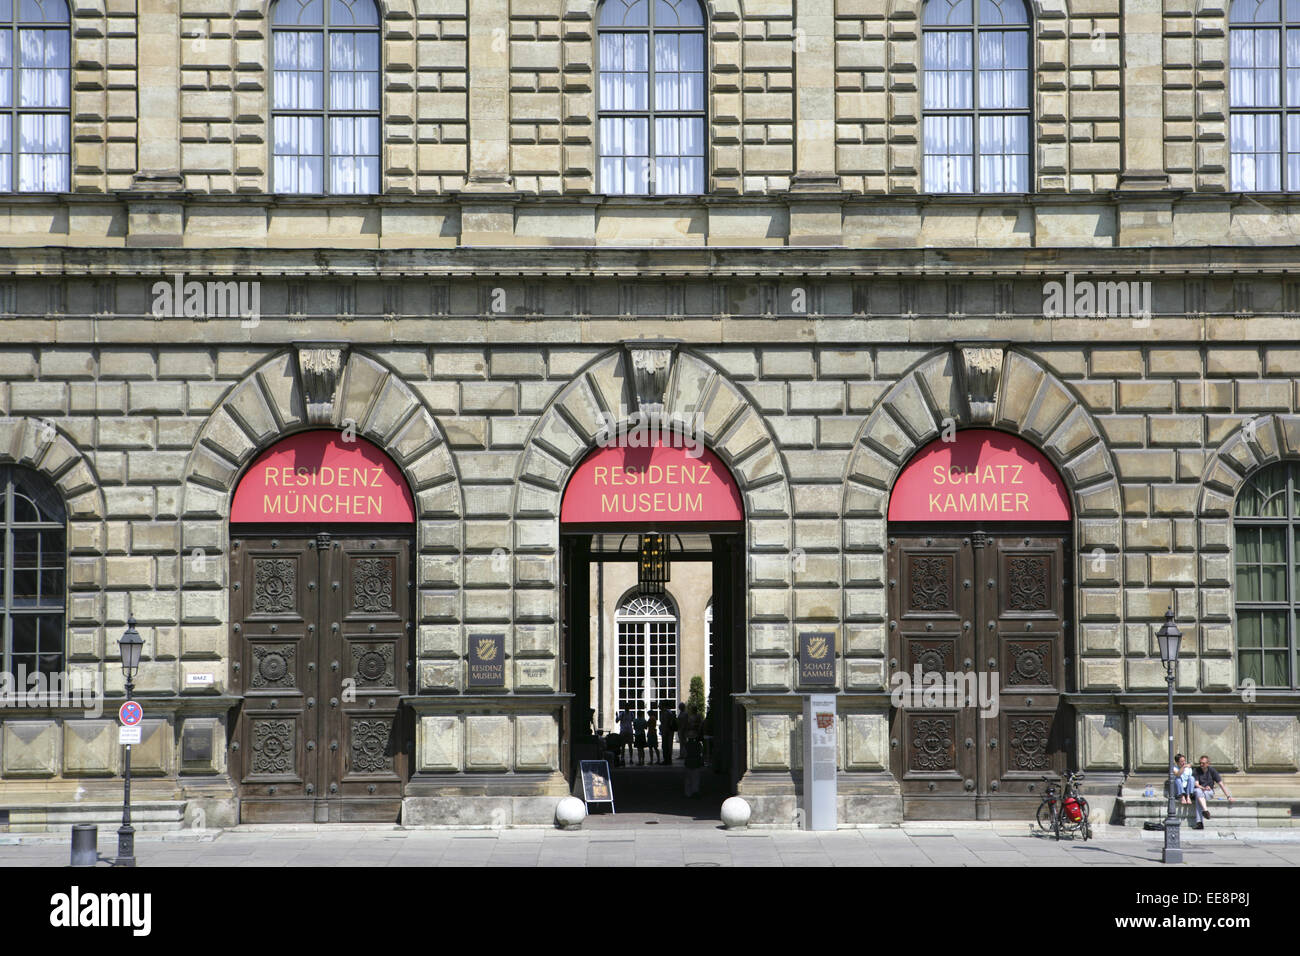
<point>650,262</point>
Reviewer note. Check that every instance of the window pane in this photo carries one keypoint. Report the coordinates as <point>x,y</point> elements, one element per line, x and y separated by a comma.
<point>947,78</point>
<point>1273,628</point>
<point>302,13</point>
<point>996,12</point>
<point>299,67</point>
<point>6,154</point>
<point>6,68</point>
<point>353,13</point>
<point>947,13</point>
<point>679,76</point>
<point>354,74</point>
<point>1250,667</point>
<point>1254,73</point>
<point>625,152</point>
<point>1248,586</point>
<point>1254,145</point>
<point>624,13</point>
<point>1004,70</point>
<point>624,73</point>
<point>678,13</point>
<point>1248,629</point>
<point>948,153</point>
<point>1254,11</point>
<point>679,167</point>
<point>298,154</point>
<point>354,155</point>
<point>1275,674</point>
<point>1004,154</point>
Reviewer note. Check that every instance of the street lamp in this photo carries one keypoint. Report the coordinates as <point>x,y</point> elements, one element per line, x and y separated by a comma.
<point>1169,637</point>
<point>130,646</point>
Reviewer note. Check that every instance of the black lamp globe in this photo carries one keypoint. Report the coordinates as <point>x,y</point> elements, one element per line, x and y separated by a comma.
<point>130,645</point>
<point>1169,637</point>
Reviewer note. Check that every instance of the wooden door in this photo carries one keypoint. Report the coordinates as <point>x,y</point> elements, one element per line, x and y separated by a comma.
<point>980,618</point>
<point>1023,641</point>
<point>321,654</point>
<point>932,634</point>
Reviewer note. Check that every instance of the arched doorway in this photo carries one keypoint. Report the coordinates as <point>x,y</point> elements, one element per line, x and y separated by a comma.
<point>321,610</point>
<point>634,637</point>
<point>979,545</point>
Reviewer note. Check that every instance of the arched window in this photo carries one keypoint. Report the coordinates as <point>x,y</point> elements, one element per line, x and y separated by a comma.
<point>1267,557</point>
<point>325,96</point>
<point>35,557</point>
<point>651,109</point>
<point>1264,94</point>
<point>975,108</point>
<point>35,95</point>
<point>647,652</point>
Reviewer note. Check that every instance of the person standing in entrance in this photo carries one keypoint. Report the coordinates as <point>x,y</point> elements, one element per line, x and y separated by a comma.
<point>625,728</point>
<point>683,727</point>
<point>693,757</point>
<point>667,727</point>
<point>652,736</point>
<point>639,725</point>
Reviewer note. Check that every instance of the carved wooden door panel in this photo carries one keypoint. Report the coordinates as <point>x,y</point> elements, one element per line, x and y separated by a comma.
<point>275,610</point>
<point>1023,596</point>
<point>365,672</point>
<point>320,651</point>
<point>932,632</point>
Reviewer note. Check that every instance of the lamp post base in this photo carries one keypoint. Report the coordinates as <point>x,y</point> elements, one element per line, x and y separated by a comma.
<point>125,846</point>
<point>1173,850</point>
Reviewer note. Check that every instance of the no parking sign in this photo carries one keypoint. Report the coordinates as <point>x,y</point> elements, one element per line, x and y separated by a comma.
<point>130,714</point>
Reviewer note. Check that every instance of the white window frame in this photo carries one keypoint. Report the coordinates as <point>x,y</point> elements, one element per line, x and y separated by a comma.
<point>327,113</point>
<point>647,617</point>
<point>652,112</point>
<point>976,111</point>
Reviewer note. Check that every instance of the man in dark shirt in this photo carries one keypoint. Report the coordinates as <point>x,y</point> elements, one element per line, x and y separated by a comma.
<point>1206,778</point>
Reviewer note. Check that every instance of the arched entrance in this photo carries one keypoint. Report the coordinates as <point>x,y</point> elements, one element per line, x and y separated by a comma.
<point>979,545</point>
<point>638,528</point>
<point>321,610</point>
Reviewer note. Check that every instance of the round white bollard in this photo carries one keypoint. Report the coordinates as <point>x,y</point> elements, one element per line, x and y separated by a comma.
<point>735,813</point>
<point>570,813</point>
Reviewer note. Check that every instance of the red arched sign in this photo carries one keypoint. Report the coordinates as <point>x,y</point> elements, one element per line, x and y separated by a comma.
<point>981,475</point>
<point>318,478</point>
<point>660,484</point>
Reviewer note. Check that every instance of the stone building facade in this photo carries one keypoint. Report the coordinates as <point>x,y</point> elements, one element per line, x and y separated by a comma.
<point>826,317</point>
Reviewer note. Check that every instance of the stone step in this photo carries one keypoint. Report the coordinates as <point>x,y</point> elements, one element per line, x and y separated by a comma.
<point>59,817</point>
<point>1249,812</point>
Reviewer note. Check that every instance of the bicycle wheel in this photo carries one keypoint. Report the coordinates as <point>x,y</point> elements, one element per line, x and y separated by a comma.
<point>1084,826</point>
<point>1047,816</point>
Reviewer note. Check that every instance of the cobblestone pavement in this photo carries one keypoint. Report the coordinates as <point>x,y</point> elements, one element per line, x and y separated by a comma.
<point>640,843</point>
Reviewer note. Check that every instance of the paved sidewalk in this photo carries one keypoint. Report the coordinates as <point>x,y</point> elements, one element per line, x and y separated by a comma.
<point>640,844</point>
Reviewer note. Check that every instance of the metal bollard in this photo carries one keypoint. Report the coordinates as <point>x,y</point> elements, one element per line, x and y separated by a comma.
<point>85,844</point>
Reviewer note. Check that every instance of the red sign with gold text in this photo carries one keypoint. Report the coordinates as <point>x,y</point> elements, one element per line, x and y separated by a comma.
<point>318,478</point>
<point>982,475</point>
<point>660,484</point>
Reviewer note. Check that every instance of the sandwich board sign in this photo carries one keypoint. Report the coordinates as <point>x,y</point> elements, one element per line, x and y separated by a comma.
<point>597,784</point>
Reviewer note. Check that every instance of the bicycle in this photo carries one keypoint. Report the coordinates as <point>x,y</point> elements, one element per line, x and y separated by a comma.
<point>1054,814</point>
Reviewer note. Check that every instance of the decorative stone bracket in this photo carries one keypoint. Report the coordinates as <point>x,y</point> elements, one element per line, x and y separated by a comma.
<point>649,366</point>
<point>979,374</point>
<point>320,367</point>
